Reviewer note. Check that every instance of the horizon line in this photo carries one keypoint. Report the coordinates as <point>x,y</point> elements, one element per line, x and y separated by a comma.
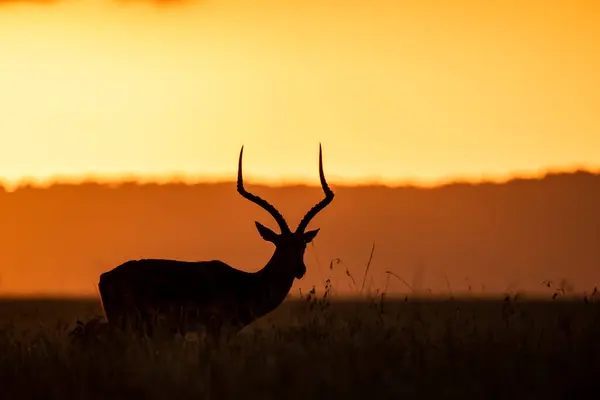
<point>191,180</point>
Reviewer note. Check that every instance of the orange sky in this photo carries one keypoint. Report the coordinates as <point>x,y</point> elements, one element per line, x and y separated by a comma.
<point>394,89</point>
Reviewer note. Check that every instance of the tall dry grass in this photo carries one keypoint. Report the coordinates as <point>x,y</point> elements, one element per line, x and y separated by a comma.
<point>314,347</point>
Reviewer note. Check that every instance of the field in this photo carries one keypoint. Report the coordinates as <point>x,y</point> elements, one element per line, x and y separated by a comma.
<point>394,349</point>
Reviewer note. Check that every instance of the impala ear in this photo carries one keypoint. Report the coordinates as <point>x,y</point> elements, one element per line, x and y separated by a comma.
<point>266,233</point>
<point>310,235</point>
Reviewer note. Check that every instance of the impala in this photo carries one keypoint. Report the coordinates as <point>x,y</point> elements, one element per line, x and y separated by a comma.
<point>210,294</point>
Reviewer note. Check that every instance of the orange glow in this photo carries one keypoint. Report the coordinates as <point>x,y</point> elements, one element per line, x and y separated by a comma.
<point>395,90</point>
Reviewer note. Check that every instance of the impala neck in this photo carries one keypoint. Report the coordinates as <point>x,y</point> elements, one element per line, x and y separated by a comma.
<point>275,281</point>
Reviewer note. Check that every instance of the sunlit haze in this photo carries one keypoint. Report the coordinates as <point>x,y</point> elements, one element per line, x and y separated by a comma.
<point>395,90</point>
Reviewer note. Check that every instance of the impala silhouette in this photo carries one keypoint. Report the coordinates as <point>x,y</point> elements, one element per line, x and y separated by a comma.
<point>187,296</point>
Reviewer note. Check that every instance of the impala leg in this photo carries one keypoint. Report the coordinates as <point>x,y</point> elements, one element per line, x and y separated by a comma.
<point>221,334</point>
<point>177,321</point>
<point>148,324</point>
<point>129,322</point>
<point>116,321</point>
<point>137,322</point>
<point>175,329</point>
<point>134,325</point>
<point>213,333</point>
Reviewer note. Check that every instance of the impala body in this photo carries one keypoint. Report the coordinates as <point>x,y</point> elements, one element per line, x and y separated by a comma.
<point>187,296</point>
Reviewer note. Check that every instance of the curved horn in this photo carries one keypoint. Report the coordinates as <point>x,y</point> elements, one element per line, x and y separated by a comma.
<point>259,201</point>
<point>320,205</point>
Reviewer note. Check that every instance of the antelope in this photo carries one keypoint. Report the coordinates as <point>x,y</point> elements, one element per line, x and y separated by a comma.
<point>210,294</point>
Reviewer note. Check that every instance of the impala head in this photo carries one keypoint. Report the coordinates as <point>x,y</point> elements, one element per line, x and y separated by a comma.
<point>290,246</point>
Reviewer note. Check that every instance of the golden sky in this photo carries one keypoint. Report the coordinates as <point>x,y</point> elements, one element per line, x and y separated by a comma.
<point>393,89</point>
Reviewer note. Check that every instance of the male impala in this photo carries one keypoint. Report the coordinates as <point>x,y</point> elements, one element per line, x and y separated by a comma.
<point>210,293</point>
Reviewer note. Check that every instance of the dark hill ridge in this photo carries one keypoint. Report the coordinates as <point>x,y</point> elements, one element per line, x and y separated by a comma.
<point>507,235</point>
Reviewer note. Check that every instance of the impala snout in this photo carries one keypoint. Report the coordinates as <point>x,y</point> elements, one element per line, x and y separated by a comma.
<point>300,270</point>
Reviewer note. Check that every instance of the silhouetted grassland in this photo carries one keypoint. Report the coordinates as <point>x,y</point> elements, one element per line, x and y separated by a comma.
<point>313,349</point>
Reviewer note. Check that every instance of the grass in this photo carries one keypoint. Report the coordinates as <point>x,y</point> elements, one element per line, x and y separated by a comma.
<point>317,346</point>
<point>313,348</point>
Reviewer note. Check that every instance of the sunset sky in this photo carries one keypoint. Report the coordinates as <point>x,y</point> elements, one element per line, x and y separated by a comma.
<point>395,90</point>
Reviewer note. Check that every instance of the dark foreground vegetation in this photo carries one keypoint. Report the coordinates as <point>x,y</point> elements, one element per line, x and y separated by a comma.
<point>312,349</point>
